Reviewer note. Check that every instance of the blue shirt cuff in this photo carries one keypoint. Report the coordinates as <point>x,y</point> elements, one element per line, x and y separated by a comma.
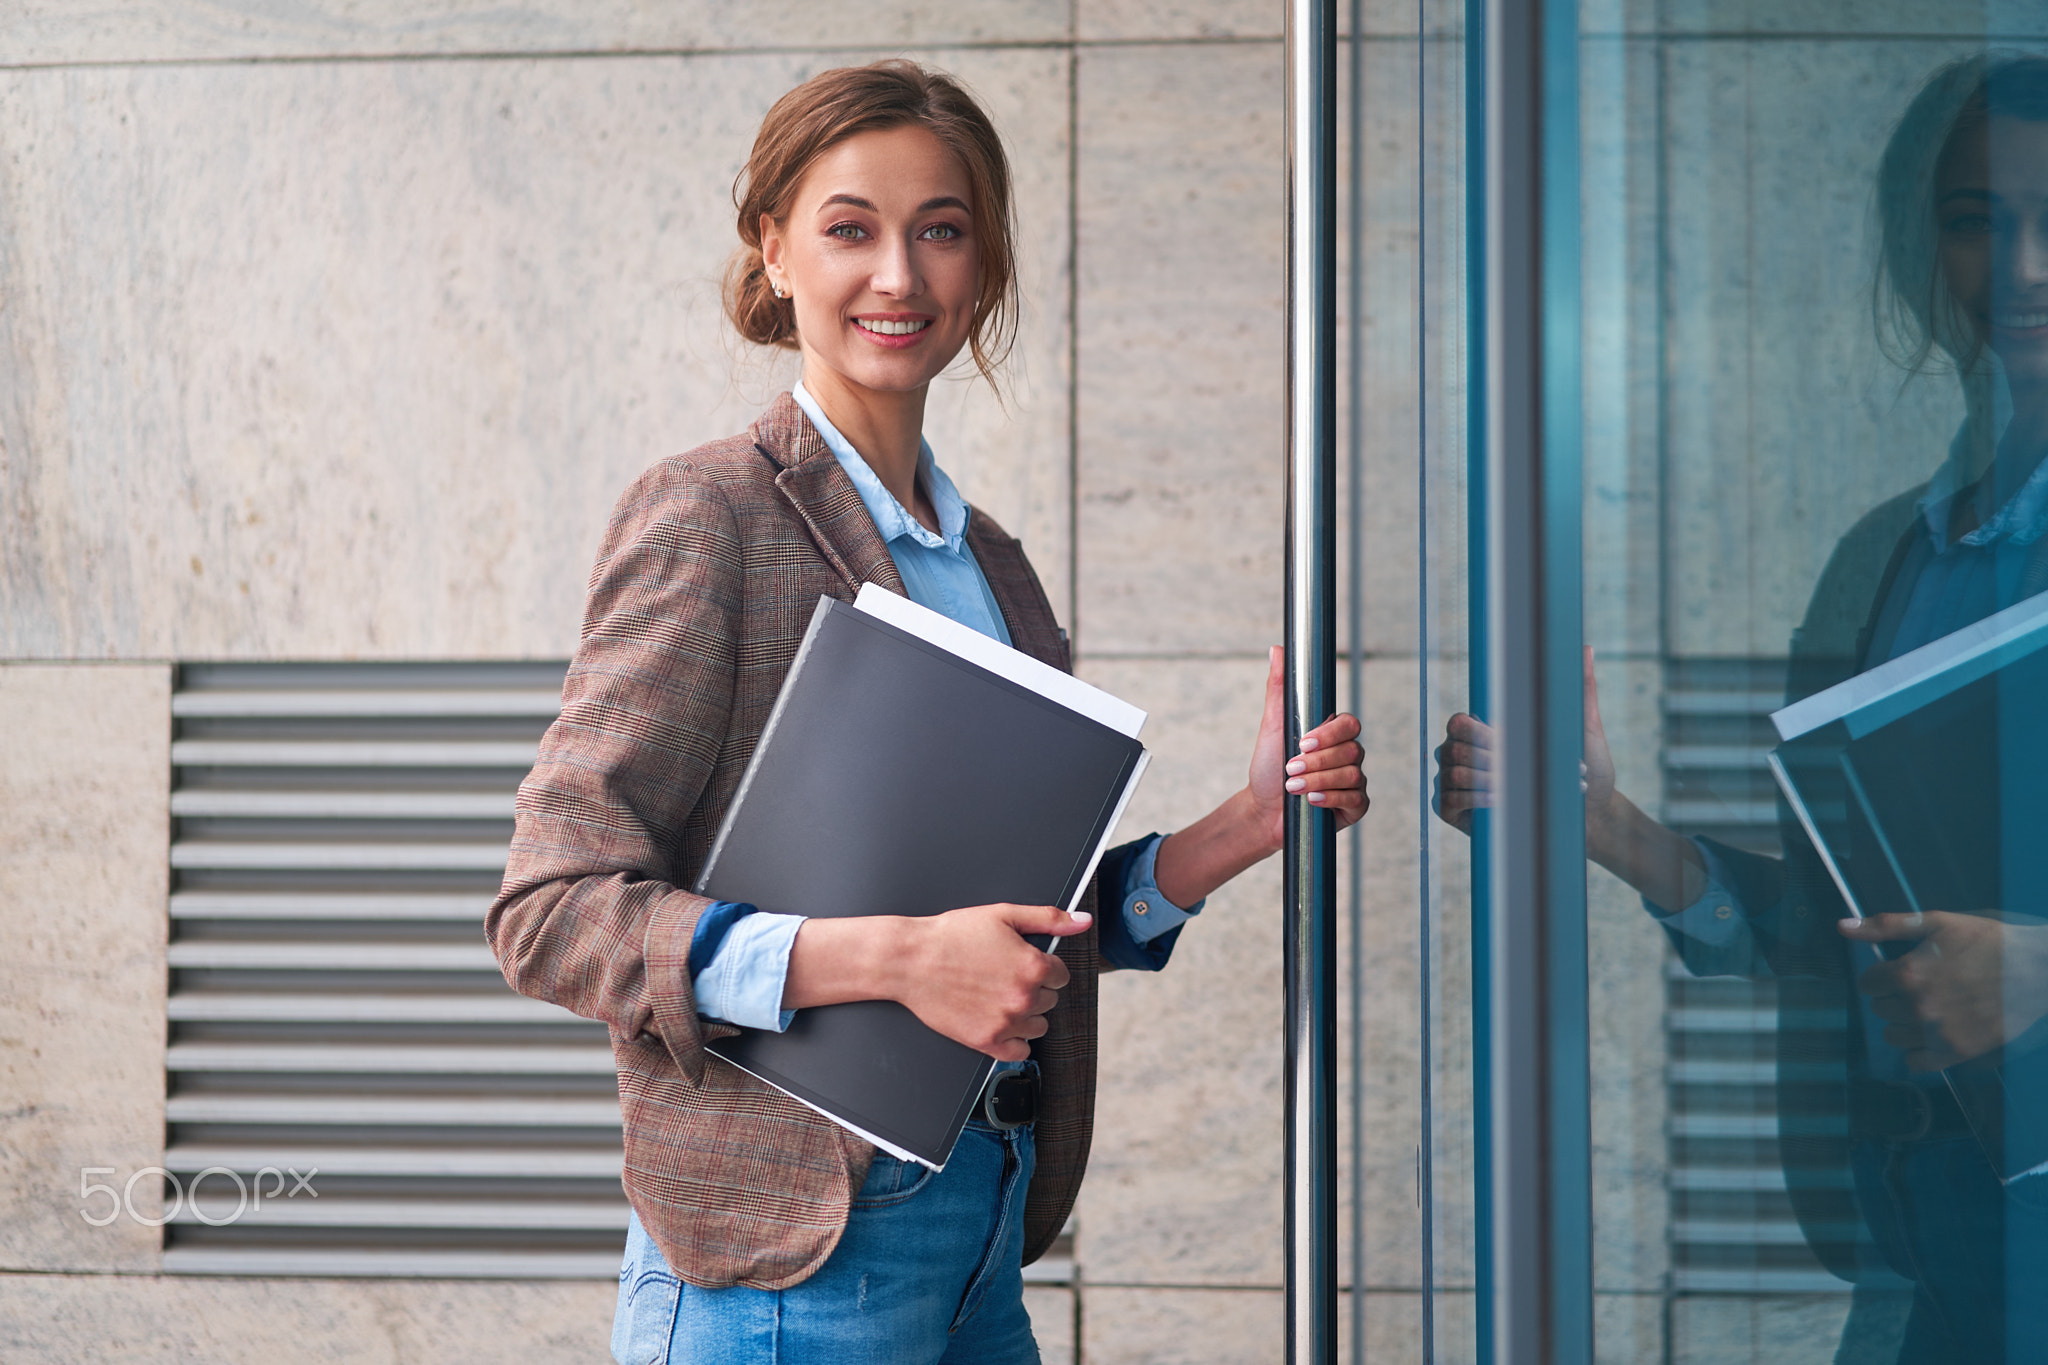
<point>742,977</point>
<point>1147,913</point>
<point>1713,934</point>
<point>1128,938</point>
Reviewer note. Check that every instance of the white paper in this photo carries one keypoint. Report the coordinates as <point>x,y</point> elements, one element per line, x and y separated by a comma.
<point>1000,659</point>
<point>1920,675</point>
<point>900,1153</point>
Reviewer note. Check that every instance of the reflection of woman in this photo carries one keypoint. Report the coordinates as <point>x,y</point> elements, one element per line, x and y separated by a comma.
<point>1963,196</point>
<point>875,220</point>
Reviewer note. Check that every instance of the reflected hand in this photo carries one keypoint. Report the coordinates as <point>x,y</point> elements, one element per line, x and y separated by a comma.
<point>1464,770</point>
<point>1466,760</point>
<point>1974,983</point>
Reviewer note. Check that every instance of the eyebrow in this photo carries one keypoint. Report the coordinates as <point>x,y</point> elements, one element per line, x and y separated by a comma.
<point>944,201</point>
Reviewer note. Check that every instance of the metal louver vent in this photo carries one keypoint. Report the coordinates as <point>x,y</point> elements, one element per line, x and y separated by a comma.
<point>1732,1226</point>
<point>338,832</point>
<point>334,1011</point>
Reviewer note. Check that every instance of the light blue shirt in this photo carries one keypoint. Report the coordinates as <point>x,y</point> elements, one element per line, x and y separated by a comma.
<point>1954,583</point>
<point>743,982</point>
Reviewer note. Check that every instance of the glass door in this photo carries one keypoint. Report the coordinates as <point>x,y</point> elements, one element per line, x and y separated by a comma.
<point>1765,365</point>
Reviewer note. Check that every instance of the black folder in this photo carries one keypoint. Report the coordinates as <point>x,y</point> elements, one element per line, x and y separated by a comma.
<point>910,767</point>
<point>1923,782</point>
<point>1923,785</point>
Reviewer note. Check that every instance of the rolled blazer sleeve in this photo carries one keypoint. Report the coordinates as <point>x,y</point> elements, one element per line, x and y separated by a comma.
<point>591,915</point>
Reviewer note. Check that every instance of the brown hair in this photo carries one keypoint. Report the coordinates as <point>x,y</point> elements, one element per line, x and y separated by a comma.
<point>826,110</point>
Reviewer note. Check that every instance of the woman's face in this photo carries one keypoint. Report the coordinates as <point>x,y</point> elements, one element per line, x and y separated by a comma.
<point>1992,202</point>
<point>880,257</point>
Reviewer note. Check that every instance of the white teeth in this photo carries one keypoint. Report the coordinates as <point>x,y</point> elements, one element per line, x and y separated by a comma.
<point>2020,321</point>
<point>892,329</point>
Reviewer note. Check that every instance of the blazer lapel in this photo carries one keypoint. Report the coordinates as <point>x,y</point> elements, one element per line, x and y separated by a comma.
<point>824,497</point>
<point>1033,627</point>
<point>838,520</point>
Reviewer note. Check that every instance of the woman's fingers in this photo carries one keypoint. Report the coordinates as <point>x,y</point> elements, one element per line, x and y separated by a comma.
<point>1469,728</point>
<point>1471,757</point>
<point>1327,781</point>
<point>1455,800</point>
<point>1458,778</point>
<point>1321,760</point>
<point>1336,730</point>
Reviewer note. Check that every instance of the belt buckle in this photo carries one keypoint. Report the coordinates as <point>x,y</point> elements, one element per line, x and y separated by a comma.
<point>1011,1100</point>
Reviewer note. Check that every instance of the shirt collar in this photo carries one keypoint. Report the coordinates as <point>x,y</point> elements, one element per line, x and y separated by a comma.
<point>2021,518</point>
<point>891,518</point>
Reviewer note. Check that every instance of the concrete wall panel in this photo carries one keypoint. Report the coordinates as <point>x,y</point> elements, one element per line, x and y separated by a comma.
<point>1121,1326</point>
<point>167,1320</point>
<point>1179,348</point>
<point>352,360</point>
<point>1184,1180</point>
<point>42,32</point>
<point>1785,422</point>
<point>84,870</point>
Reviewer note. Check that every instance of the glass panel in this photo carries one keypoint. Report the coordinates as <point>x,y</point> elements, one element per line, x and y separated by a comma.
<point>1407,873</point>
<point>1815,358</point>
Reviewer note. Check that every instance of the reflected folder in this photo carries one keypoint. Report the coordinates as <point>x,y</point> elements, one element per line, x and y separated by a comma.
<point>1923,785</point>
<point>912,766</point>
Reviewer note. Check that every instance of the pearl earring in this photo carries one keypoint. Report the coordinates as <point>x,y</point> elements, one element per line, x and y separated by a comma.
<point>780,293</point>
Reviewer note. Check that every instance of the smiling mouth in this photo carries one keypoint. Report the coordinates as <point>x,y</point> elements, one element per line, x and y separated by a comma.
<point>882,327</point>
<point>2020,322</point>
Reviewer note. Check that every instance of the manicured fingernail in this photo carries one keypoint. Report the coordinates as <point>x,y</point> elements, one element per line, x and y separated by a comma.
<point>1316,798</point>
<point>1079,916</point>
<point>1308,742</point>
<point>1297,766</point>
<point>1295,784</point>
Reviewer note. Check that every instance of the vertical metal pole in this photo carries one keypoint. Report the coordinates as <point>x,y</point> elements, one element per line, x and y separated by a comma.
<point>1310,948</point>
<point>1542,1177</point>
<point>1478,615</point>
<point>1354,631</point>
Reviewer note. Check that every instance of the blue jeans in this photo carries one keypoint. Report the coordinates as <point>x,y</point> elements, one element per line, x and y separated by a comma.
<point>928,1273</point>
<point>1976,1253</point>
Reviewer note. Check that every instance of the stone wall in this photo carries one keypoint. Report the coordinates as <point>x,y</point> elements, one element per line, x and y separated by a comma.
<point>331,332</point>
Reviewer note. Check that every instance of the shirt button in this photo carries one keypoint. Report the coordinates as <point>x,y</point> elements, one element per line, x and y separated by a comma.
<point>1722,912</point>
<point>1799,912</point>
<point>1140,907</point>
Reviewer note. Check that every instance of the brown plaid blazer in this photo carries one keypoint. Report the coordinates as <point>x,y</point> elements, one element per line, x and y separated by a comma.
<point>707,578</point>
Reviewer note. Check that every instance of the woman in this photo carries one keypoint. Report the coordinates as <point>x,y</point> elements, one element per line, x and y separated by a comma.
<point>1955,1213</point>
<point>875,222</point>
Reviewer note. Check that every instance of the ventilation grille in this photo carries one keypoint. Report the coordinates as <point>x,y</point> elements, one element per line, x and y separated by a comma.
<point>338,832</point>
<point>334,1010</point>
<point>1732,1226</point>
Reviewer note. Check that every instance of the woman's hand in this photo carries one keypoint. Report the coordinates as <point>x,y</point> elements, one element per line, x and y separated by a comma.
<point>967,973</point>
<point>1325,771</point>
<point>1652,858</point>
<point>1466,759</point>
<point>1973,983</point>
<point>1464,771</point>
<point>1250,826</point>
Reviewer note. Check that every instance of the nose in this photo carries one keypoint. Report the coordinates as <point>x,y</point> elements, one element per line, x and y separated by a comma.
<point>2029,257</point>
<point>896,275</point>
